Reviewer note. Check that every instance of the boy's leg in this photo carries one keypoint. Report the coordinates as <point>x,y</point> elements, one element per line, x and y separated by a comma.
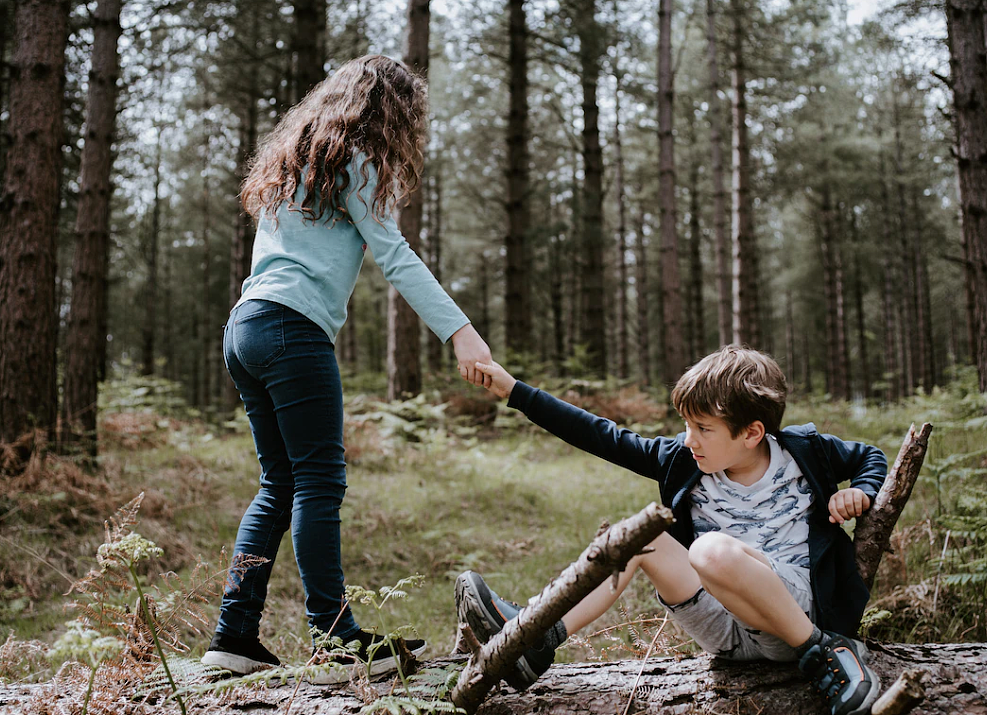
<point>741,578</point>
<point>667,567</point>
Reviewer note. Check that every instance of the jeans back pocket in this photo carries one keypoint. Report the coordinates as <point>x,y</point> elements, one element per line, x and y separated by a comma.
<point>258,331</point>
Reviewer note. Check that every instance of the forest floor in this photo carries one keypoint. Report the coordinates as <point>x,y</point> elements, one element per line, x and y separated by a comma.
<point>449,483</point>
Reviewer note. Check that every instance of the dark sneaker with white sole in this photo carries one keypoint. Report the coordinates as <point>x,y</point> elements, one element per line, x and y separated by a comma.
<point>239,655</point>
<point>339,666</point>
<point>837,668</point>
<point>486,613</point>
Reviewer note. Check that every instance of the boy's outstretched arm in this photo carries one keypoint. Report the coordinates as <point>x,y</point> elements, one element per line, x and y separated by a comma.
<point>499,381</point>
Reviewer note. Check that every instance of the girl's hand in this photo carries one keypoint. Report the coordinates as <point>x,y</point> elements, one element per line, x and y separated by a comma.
<point>501,383</point>
<point>847,504</point>
<point>470,348</point>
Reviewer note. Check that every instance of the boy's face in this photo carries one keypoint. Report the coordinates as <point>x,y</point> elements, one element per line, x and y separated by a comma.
<point>714,448</point>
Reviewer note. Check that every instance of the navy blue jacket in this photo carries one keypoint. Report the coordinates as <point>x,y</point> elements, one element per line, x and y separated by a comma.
<point>838,590</point>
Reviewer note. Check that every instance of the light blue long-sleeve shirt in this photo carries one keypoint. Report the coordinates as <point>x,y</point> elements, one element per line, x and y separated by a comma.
<point>312,266</point>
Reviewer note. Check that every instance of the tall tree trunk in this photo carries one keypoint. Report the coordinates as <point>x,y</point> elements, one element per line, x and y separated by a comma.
<point>836,369</point>
<point>892,370</point>
<point>671,282</point>
<point>858,304</point>
<point>923,306</point>
<point>623,370</point>
<point>404,368</point>
<point>696,326</point>
<point>746,306</point>
<point>167,312</point>
<point>435,351</point>
<point>149,328</point>
<point>593,314</point>
<point>556,290</point>
<point>911,354</point>
<point>965,23</point>
<point>207,332</point>
<point>4,30</point>
<point>517,300</point>
<point>483,325</point>
<point>309,45</point>
<point>29,221</point>
<point>790,340</point>
<point>641,284</point>
<point>721,240</point>
<point>84,343</point>
<point>241,248</point>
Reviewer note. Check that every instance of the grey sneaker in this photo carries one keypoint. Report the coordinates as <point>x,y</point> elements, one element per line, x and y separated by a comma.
<point>486,613</point>
<point>837,668</point>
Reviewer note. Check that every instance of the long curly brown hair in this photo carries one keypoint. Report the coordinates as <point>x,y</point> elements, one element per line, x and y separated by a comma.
<point>374,105</point>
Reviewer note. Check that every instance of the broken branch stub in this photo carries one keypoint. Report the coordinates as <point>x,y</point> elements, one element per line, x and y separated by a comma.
<point>872,534</point>
<point>608,552</point>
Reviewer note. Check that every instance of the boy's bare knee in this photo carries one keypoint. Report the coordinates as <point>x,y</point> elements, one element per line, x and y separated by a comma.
<point>714,555</point>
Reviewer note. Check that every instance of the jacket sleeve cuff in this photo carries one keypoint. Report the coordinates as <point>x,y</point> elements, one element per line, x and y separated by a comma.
<point>521,396</point>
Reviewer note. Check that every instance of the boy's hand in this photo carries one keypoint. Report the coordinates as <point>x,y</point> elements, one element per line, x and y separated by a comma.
<point>501,383</point>
<point>847,504</point>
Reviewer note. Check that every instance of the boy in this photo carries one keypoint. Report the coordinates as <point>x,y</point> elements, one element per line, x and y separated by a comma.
<point>756,564</point>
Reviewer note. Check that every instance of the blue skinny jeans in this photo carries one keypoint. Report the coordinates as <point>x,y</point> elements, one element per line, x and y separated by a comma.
<point>284,367</point>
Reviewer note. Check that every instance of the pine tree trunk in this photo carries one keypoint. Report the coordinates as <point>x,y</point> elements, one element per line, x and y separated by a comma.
<point>641,287</point>
<point>92,237</point>
<point>28,220</point>
<point>923,312</point>
<point>966,22</point>
<point>4,30</point>
<point>241,247</point>
<point>593,316</point>
<point>907,273</point>
<point>208,343</point>
<point>517,299</point>
<point>623,369</point>
<point>746,308</point>
<point>435,351</point>
<point>696,325</point>
<point>891,365</point>
<point>671,282</point>
<point>404,369</point>
<point>721,240</point>
<point>309,45</point>
<point>149,327</point>
<point>858,303</point>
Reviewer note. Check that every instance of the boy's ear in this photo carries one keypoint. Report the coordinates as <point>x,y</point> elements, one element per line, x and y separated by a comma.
<point>753,434</point>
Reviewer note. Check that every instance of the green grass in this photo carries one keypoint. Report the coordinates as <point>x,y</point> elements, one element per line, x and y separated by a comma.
<point>515,504</point>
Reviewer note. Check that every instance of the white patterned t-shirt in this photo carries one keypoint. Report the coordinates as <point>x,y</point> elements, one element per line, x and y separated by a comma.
<point>771,515</point>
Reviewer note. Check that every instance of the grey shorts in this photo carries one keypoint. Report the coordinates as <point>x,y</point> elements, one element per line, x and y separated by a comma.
<point>721,633</point>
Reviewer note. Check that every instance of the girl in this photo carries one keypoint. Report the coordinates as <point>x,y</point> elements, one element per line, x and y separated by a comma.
<point>322,189</point>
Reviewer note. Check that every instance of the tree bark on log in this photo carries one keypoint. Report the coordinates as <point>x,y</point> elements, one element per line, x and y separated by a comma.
<point>955,684</point>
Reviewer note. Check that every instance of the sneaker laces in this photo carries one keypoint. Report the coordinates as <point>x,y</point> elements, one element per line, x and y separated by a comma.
<point>824,668</point>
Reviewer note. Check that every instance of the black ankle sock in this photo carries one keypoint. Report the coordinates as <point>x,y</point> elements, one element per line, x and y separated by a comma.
<point>556,635</point>
<point>816,637</point>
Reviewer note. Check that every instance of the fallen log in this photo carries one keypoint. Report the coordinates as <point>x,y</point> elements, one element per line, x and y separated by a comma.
<point>955,684</point>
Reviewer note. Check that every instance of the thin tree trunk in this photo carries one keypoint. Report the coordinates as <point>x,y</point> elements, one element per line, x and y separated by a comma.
<point>207,333</point>
<point>966,24</point>
<point>517,300</point>
<point>483,326</point>
<point>858,303</point>
<point>623,370</point>
<point>696,319</point>
<point>923,321</point>
<point>435,351</point>
<point>641,284</point>
<point>790,339</point>
<point>84,343</point>
<point>593,315</point>
<point>310,45</point>
<point>721,240</point>
<point>149,327</point>
<point>29,221</point>
<point>404,369</point>
<point>671,282</point>
<point>911,354</point>
<point>891,371</point>
<point>746,307</point>
<point>241,248</point>
<point>167,312</point>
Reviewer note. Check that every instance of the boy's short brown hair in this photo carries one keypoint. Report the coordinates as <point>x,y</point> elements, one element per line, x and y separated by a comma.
<point>737,384</point>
